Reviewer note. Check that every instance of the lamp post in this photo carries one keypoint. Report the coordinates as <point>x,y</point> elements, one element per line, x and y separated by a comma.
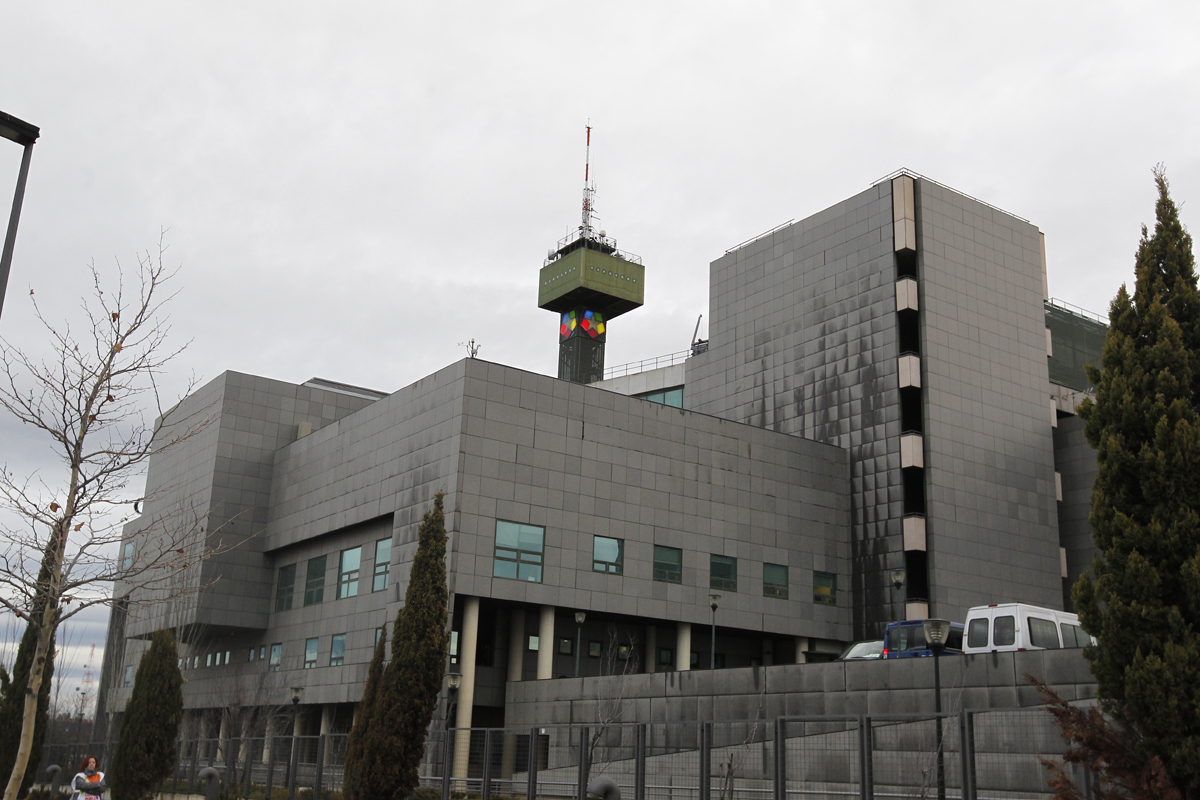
<point>936,631</point>
<point>453,681</point>
<point>714,600</point>
<point>579,618</point>
<point>25,135</point>
<point>898,576</point>
<point>297,693</point>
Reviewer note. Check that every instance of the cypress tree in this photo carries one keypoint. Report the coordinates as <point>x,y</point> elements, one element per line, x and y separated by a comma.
<point>1142,595</point>
<point>12,699</point>
<point>358,773</point>
<point>146,746</point>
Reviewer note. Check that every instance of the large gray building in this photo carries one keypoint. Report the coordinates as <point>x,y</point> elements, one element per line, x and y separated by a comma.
<point>880,425</point>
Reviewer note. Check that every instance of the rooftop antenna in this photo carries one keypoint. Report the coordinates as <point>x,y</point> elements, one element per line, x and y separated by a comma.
<point>589,189</point>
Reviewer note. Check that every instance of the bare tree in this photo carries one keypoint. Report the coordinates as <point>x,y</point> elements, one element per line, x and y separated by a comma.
<point>92,399</point>
<point>621,661</point>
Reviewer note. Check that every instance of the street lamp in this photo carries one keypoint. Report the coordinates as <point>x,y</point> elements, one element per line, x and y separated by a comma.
<point>297,693</point>
<point>714,600</point>
<point>579,618</point>
<point>936,632</point>
<point>453,681</point>
<point>898,577</point>
<point>25,135</point>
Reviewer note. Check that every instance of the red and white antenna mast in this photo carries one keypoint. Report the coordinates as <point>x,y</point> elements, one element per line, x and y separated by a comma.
<point>589,189</point>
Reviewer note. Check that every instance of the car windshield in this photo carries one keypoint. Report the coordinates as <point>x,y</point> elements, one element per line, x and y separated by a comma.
<point>907,637</point>
<point>864,650</point>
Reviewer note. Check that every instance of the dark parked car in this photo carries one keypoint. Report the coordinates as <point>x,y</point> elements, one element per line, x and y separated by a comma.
<point>863,650</point>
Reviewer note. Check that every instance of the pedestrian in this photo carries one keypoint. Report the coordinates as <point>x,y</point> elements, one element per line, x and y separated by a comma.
<point>88,783</point>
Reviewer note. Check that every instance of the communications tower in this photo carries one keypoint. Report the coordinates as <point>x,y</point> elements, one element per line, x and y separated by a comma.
<point>588,282</point>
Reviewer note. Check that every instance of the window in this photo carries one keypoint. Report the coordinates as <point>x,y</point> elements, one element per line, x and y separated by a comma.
<point>666,656</point>
<point>593,649</point>
<point>285,587</point>
<point>533,642</point>
<point>453,640</point>
<point>128,676</point>
<point>276,657</point>
<point>262,652</point>
<point>228,656</point>
<point>310,653</point>
<point>722,573</point>
<point>217,662</point>
<point>695,660</point>
<point>718,661</point>
<point>337,650</point>
<point>251,654</point>
<point>668,564</point>
<point>518,552</point>
<point>1073,636</point>
<point>1004,631</point>
<point>623,652</point>
<point>977,633</point>
<point>668,397</point>
<point>383,562</point>
<point>775,581</point>
<point>608,555</point>
<point>127,556</point>
<point>314,583</point>
<point>566,646</point>
<point>1042,633</point>
<point>208,660</point>
<point>825,588</point>
<point>348,572</point>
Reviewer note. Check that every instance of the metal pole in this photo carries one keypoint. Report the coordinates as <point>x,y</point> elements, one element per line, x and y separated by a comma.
<point>447,764</point>
<point>584,767</point>
<point>316,795</point>
<point>485,792</point>
<point>534,753</point>
<point>712,653</point>
<point>10,239</point>
<point>705,788</point>
<point>272,747</point>
<point>866,764</point>
<point>967,752</point>
<point>639,762</point>
<point>578,645</point>
<point>248,766</point>
<point>780,772</point>
<point>937,688</point>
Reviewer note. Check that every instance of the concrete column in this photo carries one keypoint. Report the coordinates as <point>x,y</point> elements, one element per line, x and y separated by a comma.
<point>801,649</point>
<point>468,642</point>
<point>516,672</point>
<point>327,716</point>
<point>545,664</point>
<point>651,658</point>
<point>683,646</point>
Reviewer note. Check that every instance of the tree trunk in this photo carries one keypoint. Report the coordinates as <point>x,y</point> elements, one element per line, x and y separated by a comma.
<point>29,717</point>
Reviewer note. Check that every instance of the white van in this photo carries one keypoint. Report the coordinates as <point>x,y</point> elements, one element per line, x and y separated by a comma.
<point>1017,626</point>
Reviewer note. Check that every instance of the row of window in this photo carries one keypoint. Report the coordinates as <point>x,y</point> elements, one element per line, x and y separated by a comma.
<point>519,550</point>
<point>337,655</point>
<point>349,568</point>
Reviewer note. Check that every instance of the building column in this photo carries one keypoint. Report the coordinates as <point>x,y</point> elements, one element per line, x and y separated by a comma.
<point>651,658</point>
<point>328,711</point>
<point>801,649</point>
<point>516,672</point>
<point>468,641</point>
<point>545,664</point>
<point>683,646</point>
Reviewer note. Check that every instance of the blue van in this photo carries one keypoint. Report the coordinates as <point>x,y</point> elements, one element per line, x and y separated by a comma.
<point>907,640</point>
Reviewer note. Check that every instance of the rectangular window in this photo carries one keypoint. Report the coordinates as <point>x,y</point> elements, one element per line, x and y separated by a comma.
<point>566,646</point>
<point>314,583</point>
<point>825,588</point>
<point>208,660</point>
<point>666,656</point>
<point>129,676</point>
<point>285,587</point>
<point>608,555</point>
<point>593,649</point>
<point>1004,631</point>
<point>337,650</point>
<point>668,564</point>
<point>669,397</point>
<point>228,656</point>
<point>276,657</point>
<point>262,652</point>
<point>310,653</point>
<point>1042,633</point>
<point>518,552</point>
<point>348,572</point>
<point>217,663</point>
<point>379,635</point>
<point>775,581</point>
<point>251,654</point>
<point>533,642</point>
<point>127,556</point>
<point>383,562</point>
<point>722,573</point>
<point>977,633</point>
<point>623,652</point>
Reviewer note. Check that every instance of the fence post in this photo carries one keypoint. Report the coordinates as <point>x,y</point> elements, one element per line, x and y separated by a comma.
<point>581,790</point>
<point>273,741</point>
<point>639,762</point>
<point>535,752</point>
<point>447,764</point>
<point>293,765</point>
<point>195,765</point>
<point>178,761</point>
<point>705,786</point>
<point>866,748</point>
<point>320,774</point>
<point>247,767</point>
<point>485,790</point>
<point>966,747</point>
<point>780,773</point>
<point>213,746</point>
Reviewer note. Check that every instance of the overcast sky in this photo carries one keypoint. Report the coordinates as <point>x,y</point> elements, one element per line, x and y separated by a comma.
<point>352,189</point>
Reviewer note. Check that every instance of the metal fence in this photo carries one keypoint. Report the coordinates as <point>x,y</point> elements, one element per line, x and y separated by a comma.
<point>968,755</point>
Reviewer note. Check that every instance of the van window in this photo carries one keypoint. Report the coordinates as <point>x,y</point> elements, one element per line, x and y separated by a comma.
<point>1073,635</point>
<point>1004,631</point>
<point>977,634</point>
<point>954,639</point>
<point>1042,633</point>
<point>901,639</point>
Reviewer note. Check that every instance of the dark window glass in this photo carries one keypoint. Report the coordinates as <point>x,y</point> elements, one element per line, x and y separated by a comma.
<point>337,650</point>
<point>348,568</point>
<point>314,584</point>
<point>518,553</point>
<point>285,587</point>
<point>669,397</point>
<point>1004,631</point>
<point>1042,633</point>
<point>566,646</point>
<point>1073,636</point>
<point>825,588</point>
<point>276,657</point>
<point>668,564</point>
<point>608,555</point>
<point>594,649</point>
<point>906,637</point>
<point>954,639</point>
<point>775,581</point>
<point>310,653</point>
<point>383,560</point>
<point>722,573</point>
<point>666,656</point>
<point>977,634</point>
